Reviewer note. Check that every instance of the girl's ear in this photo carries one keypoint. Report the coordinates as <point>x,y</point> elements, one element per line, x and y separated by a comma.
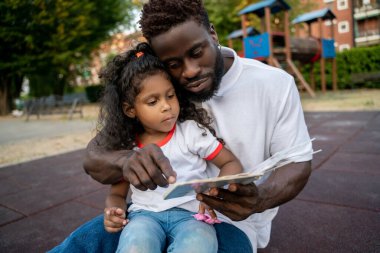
<point>129,110</point>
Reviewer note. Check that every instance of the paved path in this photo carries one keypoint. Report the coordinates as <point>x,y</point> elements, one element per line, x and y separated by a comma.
<point>42,201</point>
<point>15,130</point>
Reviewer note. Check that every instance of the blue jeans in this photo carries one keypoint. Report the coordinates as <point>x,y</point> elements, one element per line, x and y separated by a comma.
<point>91,237</point>
<point>175,230</point>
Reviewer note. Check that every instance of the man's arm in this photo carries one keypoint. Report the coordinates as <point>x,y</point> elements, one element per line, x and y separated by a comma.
<point>105,166</point>
<point>240,201</point>
<point>145,168</point>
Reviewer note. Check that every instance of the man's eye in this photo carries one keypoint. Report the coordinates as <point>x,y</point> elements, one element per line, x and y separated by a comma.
<point>197,52</point>
<point>173,65</point>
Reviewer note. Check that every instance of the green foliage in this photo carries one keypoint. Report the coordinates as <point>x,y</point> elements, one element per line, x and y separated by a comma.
<point>94,92</point>
<point>44,37</point>
<point>356,61</point>
<point>223,15</point>
<point>71,89</point>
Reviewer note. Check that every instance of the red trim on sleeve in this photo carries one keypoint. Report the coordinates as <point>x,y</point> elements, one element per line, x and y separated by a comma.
<point>215,153</point>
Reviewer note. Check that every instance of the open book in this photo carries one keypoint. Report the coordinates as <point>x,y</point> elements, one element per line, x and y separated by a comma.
<point>276,161</point>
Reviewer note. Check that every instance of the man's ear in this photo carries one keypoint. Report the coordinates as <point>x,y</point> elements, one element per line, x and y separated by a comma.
<point>129,110</point>
<point>213,33</point>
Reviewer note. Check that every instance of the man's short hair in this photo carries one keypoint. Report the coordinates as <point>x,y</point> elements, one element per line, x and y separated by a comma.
<point>159,16</point>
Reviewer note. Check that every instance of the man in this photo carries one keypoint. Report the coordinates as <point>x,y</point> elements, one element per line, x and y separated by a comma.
<point>256,110</point>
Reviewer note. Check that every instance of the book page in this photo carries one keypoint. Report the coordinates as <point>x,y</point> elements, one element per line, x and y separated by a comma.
<point>198,186</point>
<point>278,160</point>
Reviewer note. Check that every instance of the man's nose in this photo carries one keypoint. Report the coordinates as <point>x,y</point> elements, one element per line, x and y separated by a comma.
<point>191,69</point>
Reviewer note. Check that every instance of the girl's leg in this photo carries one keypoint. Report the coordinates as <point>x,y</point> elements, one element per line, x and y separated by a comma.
<point>189,235</point>
<point>143,234</point>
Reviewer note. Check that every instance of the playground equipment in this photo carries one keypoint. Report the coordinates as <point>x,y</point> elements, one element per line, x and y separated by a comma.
<point>326,46</point>
<point>238,34</point>
<point>276,47</point>
<point>304,50</point>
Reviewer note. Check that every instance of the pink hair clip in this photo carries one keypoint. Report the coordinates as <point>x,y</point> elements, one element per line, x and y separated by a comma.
<point>139,54</point>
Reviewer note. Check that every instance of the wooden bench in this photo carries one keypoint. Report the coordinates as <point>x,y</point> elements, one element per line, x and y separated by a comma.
<point>54,104</point>
<point>360,78</point>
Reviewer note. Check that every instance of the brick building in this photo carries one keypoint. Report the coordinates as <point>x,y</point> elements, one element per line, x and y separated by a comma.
<point>357,22</point>
<point>366,17</point>
<point>117,44</point>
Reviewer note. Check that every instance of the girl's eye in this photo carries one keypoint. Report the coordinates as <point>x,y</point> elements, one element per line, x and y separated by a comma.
<point>151,102</point>
<point>171,95</point>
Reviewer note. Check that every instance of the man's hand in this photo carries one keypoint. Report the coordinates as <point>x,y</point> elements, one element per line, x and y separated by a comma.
<point>237,203</point>
<point>114,219</point>
<point>240,201</point>
<point>148,168</point>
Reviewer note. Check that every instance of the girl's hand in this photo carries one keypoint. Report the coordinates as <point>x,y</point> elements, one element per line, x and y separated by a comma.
<point>203,207</point>
<point>209,218</point>
<point>114,219</point>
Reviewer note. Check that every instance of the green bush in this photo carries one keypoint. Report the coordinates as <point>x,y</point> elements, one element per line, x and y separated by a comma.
<point>94,93</point>
<point>70,89</point>
<point>354,61</point>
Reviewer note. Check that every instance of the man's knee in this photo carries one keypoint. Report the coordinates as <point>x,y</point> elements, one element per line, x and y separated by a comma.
<point>90,237</point>
<point>232,239</point>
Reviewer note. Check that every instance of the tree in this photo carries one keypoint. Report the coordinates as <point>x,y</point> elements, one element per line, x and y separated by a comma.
<point>45,39</point>
<point>223,15</point>
<point>13,45</point>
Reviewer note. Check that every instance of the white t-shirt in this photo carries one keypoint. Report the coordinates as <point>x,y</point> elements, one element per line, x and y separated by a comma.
<point>187,147</point>
<point>257,112</point>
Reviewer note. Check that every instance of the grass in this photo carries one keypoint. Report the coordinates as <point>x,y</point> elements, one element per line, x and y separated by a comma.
<point>345,100</point>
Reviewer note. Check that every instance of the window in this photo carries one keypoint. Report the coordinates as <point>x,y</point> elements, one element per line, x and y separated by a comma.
<point>366,2</point>
<point>344,47</point>
<point>343,27</point>
<point>329,22</point>
<point>342,4</point>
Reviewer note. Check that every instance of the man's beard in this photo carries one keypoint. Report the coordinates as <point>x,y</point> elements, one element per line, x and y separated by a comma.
<point>216,78</point>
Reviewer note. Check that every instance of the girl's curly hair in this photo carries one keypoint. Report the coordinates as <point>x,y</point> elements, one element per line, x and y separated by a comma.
<point>122,78</point>
<point>158,16</point>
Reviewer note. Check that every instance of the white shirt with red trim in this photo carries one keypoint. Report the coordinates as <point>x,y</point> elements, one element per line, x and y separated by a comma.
<point>187,147</point>
<point>257,112</point>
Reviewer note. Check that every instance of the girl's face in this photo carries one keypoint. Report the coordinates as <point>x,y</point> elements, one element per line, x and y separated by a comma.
<point>156,106</point>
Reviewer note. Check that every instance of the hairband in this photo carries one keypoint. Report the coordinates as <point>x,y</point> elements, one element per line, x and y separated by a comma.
<point>139,54</point>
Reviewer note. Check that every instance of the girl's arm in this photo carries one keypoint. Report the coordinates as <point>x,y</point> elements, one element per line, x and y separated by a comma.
<point>115,211</point>
<point>227,162</point>
<point>117,196</point>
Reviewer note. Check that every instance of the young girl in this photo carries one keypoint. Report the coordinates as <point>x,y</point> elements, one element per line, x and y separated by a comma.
<point>141,107</point>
